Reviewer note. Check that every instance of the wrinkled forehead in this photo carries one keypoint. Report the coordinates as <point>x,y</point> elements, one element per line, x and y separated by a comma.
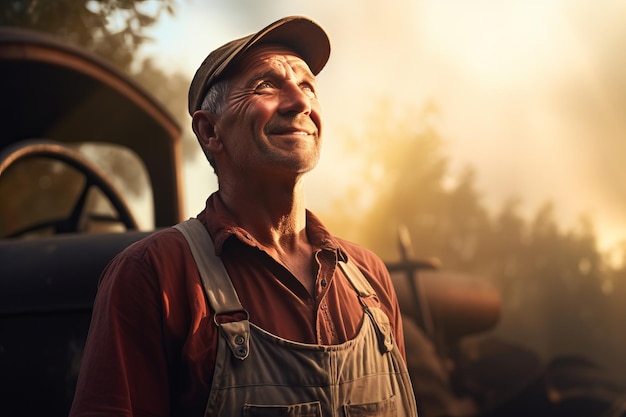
<point>272,56</point>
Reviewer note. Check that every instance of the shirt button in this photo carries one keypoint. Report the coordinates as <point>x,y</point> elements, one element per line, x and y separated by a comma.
<point>324,282</point>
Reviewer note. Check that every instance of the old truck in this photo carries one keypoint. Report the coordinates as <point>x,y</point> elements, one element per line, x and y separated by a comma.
<point>64,214</point>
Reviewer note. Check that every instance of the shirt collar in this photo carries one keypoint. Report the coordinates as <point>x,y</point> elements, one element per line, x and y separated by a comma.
<point>221,225</point>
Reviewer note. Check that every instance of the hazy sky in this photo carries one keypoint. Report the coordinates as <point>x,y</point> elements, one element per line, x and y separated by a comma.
<point>532,93</point>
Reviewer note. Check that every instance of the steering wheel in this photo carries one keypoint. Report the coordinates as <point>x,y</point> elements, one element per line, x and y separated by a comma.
<point>94,177</point>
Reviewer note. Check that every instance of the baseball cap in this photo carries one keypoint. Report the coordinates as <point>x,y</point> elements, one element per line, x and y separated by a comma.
<point>298,33</point>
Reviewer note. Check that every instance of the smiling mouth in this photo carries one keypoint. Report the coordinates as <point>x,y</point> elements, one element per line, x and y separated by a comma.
<point>292,132</point>
<point>296,127</point>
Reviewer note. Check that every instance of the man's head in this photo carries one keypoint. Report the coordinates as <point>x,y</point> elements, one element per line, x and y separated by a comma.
<point>300,34</point>
<point>294,49</point>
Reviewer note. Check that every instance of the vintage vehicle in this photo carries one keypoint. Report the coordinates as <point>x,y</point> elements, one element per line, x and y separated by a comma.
<point>55,100</point>
<point>64,213</point>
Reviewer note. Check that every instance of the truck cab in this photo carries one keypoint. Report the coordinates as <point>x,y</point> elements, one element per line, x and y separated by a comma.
<point>63,212</point>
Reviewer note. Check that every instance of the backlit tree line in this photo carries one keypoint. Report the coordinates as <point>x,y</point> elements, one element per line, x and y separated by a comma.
<point>561,294</point>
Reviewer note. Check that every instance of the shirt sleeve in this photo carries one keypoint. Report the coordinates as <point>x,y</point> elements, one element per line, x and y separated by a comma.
<point>124,367</point>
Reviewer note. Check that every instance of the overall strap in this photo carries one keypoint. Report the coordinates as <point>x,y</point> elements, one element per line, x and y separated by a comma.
<point>364,290</point>
<point>217,286</point>
<point>356,278</point>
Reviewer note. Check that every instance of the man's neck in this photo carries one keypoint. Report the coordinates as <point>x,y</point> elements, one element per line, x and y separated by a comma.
<point>274,215</point>
<point>276,218</point>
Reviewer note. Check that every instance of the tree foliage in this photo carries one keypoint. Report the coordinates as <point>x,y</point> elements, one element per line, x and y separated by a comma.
<point>113,29</point>
<point>560,295</point>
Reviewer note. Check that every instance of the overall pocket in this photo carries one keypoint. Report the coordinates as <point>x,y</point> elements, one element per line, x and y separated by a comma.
<point>312,409</point>
<point>385,408</point>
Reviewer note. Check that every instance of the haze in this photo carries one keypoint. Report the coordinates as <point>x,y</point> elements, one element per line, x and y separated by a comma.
<point>532,94</point>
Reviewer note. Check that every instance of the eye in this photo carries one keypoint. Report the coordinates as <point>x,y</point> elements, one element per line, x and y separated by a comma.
<point>308,89</point>
<point>264,85</point>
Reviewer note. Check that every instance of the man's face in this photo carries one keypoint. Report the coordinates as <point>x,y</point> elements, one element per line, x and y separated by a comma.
<point>271,123</point>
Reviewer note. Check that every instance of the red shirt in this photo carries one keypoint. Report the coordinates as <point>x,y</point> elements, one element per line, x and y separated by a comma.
<point>152,340</point>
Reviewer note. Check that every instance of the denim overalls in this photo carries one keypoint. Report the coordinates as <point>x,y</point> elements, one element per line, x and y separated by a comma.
<point>260,374</point>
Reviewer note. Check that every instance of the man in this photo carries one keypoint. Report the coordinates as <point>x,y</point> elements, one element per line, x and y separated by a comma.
<point>254,308</point>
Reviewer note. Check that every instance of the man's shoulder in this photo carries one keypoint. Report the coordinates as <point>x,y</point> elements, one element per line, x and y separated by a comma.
<point>162,255</point>
<point>363,257</point>
<point>375,272</point>
<point>355,248</point>
<point>162,244</point>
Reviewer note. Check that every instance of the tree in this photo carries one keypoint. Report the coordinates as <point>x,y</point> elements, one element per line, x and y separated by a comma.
<point>404,168</point>
<point>553,282</point>
<point>113,29</point>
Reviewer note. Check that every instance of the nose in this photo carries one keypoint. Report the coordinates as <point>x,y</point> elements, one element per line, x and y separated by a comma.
<point>294,100</point>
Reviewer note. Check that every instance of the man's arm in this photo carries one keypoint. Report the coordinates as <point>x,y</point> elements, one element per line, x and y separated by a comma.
<point>124,370</point>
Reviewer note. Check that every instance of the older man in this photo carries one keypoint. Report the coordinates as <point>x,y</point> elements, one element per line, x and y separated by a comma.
<point>253,308</point>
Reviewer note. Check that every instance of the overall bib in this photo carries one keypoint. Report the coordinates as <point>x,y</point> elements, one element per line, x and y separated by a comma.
<point>260,374</point>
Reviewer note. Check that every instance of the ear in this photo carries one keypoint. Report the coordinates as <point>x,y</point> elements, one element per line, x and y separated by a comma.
<point>204,126</point>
